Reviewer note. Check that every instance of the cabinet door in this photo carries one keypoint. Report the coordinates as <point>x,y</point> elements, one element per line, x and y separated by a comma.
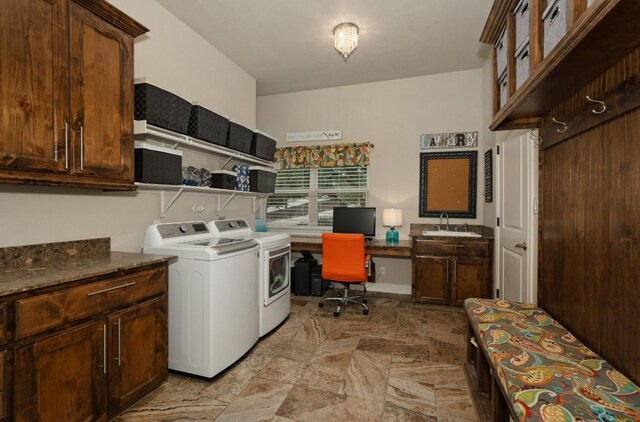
<point>63,377</point>
<point>137,352</point>
<point>101,98</point>
<point>431,279</point>
<point>6,376</point>
<point>34,86</point>
<point>470,279</point>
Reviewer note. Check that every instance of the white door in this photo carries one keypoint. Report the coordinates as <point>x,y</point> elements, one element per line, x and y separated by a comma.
<point>515,213</point>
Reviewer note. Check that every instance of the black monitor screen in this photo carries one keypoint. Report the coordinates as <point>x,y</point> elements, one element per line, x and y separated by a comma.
<point>354,220</point>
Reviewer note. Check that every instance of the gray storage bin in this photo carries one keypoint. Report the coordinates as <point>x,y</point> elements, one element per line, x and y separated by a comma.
<point>504,90</point>
<point>554,22</point>
<point>522,21</point>
<point>501,52</point>
<point>522,63</point>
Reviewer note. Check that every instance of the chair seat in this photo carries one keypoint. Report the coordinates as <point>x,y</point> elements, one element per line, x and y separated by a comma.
<point>547,372</point>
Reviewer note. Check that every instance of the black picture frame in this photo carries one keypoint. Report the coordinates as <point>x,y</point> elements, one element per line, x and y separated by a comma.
<point>488,176</point>
<point>425,159</point>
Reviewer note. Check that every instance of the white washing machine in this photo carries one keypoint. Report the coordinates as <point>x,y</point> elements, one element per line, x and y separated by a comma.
<point>213,291</point>
<point>275,269</point>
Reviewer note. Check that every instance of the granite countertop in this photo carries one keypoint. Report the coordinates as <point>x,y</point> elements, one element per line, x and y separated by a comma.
<point>417,229</point>
<point>33,267</point>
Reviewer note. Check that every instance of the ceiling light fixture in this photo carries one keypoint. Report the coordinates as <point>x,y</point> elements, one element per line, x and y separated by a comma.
<point>346,38</point>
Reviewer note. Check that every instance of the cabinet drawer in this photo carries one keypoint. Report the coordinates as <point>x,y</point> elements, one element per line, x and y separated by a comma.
<point>451,247</point>
<point>42,312</point>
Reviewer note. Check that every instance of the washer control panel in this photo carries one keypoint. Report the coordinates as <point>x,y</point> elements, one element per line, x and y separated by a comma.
<point>227,225</point>
<point>182,229</point>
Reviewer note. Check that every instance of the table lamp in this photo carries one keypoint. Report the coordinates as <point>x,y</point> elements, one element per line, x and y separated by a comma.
<point>392,217</point>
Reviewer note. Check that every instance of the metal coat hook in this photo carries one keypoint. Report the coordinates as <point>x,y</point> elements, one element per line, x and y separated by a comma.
<point>537,139</point>
<point>565,127</point>
<point>594,111</point>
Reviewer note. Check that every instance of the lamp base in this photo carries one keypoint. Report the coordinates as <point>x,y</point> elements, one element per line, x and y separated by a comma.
<point>392,235</point>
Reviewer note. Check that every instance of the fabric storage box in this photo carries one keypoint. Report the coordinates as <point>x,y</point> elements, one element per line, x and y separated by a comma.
<point>263,146</point>
<point>554,20</point>
<point>161,108</point>
<point>223,179</point>
<point>522,63</point>
<point>503,87</point>
<point>242,177</point>
<point>501,52</point>
<point>262,179</point>
<point>522,21</point>
<point>206,125</point>
<point>154,164</point>
<point>239,137</point>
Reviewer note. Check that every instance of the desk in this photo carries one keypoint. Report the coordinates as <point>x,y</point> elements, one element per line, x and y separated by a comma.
<point>402,249</point>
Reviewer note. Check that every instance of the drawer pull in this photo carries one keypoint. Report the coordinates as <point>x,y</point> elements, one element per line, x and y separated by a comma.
<point>122,286</point>
<point>453,246</point>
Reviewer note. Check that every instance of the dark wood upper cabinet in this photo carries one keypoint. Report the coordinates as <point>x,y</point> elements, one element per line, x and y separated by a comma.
<point>66,93</point>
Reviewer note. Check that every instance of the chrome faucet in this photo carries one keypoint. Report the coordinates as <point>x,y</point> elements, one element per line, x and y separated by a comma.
<point>445,213</point>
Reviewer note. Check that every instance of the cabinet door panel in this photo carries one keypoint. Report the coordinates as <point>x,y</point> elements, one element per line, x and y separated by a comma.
<point>137,352</point>
<point>62,377</point>
<point>101,97</point>
<point>469,279</point>
<point>34,84</point>
<point>431,279</point>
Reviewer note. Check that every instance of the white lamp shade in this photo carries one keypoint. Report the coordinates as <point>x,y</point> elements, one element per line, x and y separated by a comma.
<point>392,217</point>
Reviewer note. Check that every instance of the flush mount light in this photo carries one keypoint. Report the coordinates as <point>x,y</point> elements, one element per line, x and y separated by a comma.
<point>346,38</point>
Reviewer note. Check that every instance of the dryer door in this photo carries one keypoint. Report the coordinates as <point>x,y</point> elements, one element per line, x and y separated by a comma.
<point>278,273</point>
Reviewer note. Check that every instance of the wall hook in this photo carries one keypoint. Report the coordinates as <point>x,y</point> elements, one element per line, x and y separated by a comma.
<point>594,111</point>
<point>537,139</point>
<point>564,125</point>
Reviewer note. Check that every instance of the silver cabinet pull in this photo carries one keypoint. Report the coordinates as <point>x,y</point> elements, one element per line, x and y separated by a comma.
<point>119,324</point>
<point>104,348</point>
<point>66,145</point>
<point>81,147</point>
<point>122,286</point>
<point>522,245</point>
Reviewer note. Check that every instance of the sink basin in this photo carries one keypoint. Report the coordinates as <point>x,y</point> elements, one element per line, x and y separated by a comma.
<point>448,233</point>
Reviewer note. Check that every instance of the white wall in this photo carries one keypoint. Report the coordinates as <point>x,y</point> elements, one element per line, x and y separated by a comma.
<point>175,58</point>
<point>391,115</point>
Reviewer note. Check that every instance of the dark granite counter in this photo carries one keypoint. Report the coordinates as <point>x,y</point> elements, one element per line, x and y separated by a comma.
<point>484,231</point>
<point>25,268</point>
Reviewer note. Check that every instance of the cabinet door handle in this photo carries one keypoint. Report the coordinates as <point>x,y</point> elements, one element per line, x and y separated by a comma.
<point>453,246</point>
<point>122,286</point>
<point>119,324</point>
<point>104,348</point>
<point>66,145</point>
<point>81,147</point>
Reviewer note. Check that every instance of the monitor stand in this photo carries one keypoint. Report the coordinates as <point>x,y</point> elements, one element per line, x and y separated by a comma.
<point>369,239</point>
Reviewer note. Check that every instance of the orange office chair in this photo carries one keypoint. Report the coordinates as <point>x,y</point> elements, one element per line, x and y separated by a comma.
<point>344,261</point>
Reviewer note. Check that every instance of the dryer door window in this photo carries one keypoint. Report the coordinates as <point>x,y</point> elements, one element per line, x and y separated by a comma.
<point>279,270</point>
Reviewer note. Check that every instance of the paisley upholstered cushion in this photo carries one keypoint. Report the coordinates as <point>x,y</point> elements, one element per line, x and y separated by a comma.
<point>548,374</point>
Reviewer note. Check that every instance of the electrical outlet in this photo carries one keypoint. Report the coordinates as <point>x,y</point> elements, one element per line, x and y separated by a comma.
<point>382,270</point>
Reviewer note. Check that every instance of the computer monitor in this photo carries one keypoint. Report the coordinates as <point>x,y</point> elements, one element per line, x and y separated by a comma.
<point>355,220</point>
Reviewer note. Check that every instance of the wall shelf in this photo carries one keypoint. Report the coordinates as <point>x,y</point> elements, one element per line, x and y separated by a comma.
<point>144,131</point>
<point>176,190</point>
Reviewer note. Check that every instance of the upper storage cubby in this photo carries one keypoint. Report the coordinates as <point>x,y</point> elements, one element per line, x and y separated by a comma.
<point>545,50</point>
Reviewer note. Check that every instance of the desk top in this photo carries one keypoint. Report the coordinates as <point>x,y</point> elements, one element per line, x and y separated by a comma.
<point>377,247</point>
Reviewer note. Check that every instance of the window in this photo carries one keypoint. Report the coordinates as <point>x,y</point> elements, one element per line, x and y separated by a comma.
<point>306,197</point>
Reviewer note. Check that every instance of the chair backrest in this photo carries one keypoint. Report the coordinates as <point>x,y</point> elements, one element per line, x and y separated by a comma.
<point>343,257</point>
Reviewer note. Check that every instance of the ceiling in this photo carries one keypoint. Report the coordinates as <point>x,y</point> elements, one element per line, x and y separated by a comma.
<point>287,45</point>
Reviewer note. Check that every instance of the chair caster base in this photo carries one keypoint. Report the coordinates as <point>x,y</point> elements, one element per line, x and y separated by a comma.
<point>320,305</point>
<point>336,314</point>
<point>365,311</point>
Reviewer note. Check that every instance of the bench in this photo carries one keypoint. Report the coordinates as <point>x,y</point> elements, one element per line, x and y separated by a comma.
<point>523,364</point>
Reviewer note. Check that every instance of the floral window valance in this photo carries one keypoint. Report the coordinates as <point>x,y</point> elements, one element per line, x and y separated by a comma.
<point>342,155</point>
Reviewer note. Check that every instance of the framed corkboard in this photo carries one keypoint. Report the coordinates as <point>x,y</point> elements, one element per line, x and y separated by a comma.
<point>448,182</point>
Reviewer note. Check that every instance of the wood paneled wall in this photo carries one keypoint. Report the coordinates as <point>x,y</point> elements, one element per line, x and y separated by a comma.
<point>589,268</point>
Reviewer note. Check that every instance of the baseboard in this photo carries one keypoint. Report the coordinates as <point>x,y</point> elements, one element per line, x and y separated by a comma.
<point>401,289</point>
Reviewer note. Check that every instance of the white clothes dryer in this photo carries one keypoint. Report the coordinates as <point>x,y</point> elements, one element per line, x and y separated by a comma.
<point>275,269</point>
<point>213,296</point>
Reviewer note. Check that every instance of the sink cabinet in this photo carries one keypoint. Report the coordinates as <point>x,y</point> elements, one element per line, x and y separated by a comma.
<point>86,351</point>
<point>448,271</point>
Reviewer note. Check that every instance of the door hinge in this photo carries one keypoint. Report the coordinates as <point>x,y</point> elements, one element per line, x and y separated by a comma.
<point>497,293</point>
<point>497,149</point>
<point>498,222</point>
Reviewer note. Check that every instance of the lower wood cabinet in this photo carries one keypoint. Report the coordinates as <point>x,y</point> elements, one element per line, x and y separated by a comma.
<point>447,272</point>
<point>94,369</point>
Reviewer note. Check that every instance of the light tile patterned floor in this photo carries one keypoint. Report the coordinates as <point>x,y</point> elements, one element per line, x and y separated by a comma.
<point>402,362</point>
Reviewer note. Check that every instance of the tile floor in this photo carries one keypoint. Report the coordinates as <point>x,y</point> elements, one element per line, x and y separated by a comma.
<point>402,362</point>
